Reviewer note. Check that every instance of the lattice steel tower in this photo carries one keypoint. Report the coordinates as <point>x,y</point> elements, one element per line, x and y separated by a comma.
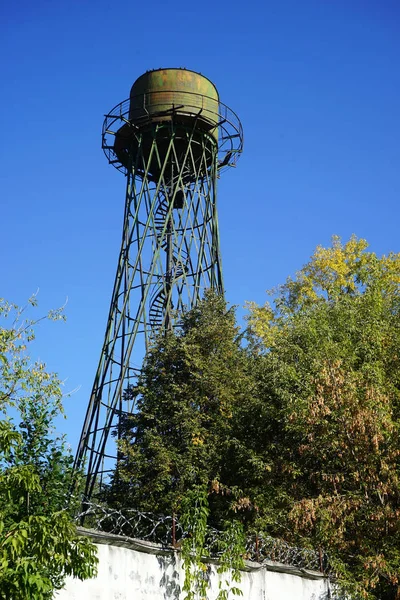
<point>171,139</point>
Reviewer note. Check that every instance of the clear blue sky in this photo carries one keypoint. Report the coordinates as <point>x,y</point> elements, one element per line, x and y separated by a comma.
<point>316,84</point>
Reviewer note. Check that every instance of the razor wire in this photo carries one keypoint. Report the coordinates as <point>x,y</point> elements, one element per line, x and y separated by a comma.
<point>169,532</point>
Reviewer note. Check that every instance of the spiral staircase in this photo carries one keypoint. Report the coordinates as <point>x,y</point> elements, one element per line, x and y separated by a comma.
<point>179,265</point>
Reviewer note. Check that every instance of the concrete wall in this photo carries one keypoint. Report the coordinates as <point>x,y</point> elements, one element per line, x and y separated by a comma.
<point>137,570</point>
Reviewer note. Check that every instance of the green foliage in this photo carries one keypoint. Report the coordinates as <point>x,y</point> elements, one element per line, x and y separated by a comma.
<point>194,518</point>
<point>231,545</point>
<point>231,548</point>
<point>332,385</point>
<point>175,451</point>
<point>39,544</point>
<point>193,381</point>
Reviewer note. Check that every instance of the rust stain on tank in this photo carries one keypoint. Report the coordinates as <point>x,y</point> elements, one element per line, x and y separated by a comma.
<point>180,94</point>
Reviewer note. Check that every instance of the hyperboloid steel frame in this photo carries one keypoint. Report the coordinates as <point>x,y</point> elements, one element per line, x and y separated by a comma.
<point>170,248</point>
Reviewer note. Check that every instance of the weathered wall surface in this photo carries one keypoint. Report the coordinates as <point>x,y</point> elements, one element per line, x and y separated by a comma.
<point>135,570</point>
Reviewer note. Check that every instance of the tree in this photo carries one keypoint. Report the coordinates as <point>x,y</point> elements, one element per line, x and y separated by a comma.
<point>174,450</point>
<point>193,380</point>
<point>39,544</point>
<point>331,365</point>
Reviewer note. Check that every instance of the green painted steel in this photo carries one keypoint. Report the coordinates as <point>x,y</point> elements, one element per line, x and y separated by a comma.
<point>167,94</point>
<point>180,80</point>
<point>170,250</point>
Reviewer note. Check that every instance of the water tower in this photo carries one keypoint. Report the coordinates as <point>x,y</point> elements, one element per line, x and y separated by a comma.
<point>171,139</point>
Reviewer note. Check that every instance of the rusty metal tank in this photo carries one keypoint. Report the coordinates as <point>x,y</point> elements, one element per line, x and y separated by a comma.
<point>168,104</point>
<point>179,94</point>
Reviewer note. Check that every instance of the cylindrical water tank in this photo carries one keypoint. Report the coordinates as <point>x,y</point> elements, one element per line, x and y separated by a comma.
<point>179,94</point>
